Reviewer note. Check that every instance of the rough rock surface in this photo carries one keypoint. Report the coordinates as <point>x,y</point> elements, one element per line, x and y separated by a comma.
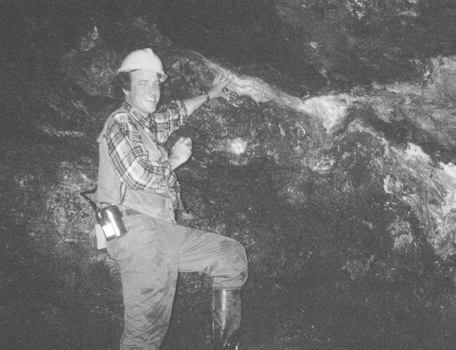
<point>344,202</point>
<point>315,45</point>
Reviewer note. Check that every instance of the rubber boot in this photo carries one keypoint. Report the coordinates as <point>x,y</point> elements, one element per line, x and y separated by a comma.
<point>226,319</point>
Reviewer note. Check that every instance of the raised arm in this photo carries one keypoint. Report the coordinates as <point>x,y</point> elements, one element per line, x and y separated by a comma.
<point>216,90</point>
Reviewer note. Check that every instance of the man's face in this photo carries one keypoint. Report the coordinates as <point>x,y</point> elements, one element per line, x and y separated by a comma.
<point>145,90</point>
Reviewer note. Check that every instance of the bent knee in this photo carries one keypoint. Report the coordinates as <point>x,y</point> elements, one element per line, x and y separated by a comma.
<point>236,257</point>
<point>231,269</point>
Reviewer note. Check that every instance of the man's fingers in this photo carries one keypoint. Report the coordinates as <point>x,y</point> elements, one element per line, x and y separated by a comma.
<point>186,141</point>
<point>222,78</point>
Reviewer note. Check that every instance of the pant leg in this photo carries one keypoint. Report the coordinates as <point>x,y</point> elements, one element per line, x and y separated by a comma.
<point>223,258</point>
<point>147,257</point>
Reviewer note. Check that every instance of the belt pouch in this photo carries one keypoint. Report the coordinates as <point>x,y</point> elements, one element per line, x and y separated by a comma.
<point>110,220</point>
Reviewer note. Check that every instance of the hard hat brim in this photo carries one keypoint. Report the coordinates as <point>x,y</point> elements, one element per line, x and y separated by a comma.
<point>161,76</point>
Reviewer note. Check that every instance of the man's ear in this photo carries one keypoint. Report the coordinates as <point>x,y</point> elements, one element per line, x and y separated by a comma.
<point>126,92</point>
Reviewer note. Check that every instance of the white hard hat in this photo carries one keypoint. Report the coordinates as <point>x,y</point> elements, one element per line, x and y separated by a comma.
<point>143,59</point>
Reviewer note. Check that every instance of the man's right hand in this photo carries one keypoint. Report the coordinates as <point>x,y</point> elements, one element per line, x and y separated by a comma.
<point>218,86</point>
<point>181,152</point>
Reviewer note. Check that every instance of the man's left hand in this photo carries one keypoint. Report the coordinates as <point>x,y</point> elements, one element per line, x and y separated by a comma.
<point>181,152</point>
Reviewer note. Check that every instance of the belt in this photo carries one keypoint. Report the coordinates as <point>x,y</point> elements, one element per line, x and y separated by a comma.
<point>124,211</point>
<point>128,212</point>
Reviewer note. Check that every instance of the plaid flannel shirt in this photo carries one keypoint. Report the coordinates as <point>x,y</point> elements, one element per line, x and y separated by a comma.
<point>129,155</point>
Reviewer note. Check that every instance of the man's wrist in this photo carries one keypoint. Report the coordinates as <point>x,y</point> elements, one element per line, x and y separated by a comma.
<point>173,162</point>
<point>176,161</point>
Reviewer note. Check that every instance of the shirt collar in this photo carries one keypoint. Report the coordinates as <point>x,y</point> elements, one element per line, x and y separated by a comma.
<point>140,117</point>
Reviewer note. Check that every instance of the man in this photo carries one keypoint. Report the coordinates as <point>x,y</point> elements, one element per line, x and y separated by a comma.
<point>136,174</point>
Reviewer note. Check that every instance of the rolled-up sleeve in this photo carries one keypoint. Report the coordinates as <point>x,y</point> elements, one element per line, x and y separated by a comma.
<point>168,119</point>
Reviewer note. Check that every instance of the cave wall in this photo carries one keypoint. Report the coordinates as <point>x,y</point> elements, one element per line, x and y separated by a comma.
<point>315,45</point>
<point>344,199</point>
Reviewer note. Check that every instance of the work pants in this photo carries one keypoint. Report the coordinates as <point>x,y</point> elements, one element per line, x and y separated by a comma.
<point>150,256</point>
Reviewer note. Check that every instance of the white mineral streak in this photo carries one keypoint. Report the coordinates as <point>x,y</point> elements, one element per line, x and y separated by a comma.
<point>430,190</point>
<point>442,229</point>
<point>331,110</point>
<point>415,153</point>
<point>256,88</point>
<point>445,212</point>
<point>431,194</point>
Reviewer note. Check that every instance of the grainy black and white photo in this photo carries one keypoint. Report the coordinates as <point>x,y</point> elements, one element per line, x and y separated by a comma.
<point>228,174</point>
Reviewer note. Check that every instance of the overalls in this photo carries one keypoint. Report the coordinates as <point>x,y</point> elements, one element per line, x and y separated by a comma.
<point>155,249</point>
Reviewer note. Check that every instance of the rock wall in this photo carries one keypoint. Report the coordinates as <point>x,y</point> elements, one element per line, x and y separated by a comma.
<point>308,45</point>
<point>344,201</point>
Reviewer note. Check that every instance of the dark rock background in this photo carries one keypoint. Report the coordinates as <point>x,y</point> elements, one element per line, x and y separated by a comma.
<point>332,161</point>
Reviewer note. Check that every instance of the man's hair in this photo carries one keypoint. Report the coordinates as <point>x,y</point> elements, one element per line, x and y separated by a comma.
<point>122,81</point>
